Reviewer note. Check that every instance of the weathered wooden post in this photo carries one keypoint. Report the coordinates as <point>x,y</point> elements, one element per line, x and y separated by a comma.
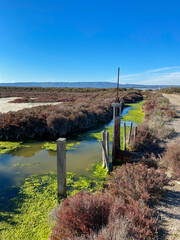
<point>105,149</point>
<point>116,129</point>
<point>61,168</point>
<point>135,132</point>
<point>116,123</point>
<point>130,131</point>
<point>124,136</point>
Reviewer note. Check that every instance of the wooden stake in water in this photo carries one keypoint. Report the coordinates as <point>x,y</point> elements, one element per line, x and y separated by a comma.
<point>61,168</point>
<point>130,132</point>
<point>135,131</point>
<point>124,136</point>
<point>105,149</point>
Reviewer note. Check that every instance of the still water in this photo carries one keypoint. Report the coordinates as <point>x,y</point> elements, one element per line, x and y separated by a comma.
<point>33,160</point>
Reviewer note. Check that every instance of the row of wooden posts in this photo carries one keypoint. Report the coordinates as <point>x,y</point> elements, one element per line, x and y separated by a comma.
<point>61,157</point>
<point>61,148</point>
<point>105,143</point>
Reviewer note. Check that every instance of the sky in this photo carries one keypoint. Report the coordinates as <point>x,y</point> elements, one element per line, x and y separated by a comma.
<point>86,41</point>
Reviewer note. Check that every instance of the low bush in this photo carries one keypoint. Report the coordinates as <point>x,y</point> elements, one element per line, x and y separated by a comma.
<point>171,90</point>
<point>150,162</point>
<point>142,223</point>
<point>117,230</point>
<point>119,211</point>
<point>135,181</point>
<point>171,160</point>
<point>79,220</point>
<point>144,140</point>
<point>158,112</point>
<point>81,214</point>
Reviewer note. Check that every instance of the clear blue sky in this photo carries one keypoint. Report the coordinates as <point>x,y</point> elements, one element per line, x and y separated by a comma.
<point>54,40</point>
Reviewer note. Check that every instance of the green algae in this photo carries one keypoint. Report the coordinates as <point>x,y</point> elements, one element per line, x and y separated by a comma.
<point>27,216</point>
<point>52,146</point>
<point>135,114</point>
<point>24,164</point>
<point>7,146</point>
<point>98,135</point>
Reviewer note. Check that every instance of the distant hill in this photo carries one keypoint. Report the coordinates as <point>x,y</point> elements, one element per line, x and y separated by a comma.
<point>83,85</point>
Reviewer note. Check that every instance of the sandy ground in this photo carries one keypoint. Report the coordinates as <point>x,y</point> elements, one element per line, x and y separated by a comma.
<point>5,106</point>
<point>169,207</point>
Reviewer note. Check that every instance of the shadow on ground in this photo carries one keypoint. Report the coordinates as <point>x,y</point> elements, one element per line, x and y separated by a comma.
<point>170,201</point>
<point>10,201</point>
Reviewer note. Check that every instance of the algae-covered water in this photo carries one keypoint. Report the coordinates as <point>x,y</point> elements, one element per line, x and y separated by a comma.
<point>25,208</point>
<point>32,159</point>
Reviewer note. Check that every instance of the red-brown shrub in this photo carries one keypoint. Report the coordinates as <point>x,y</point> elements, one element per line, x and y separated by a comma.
<point>142,223</point>
<point>171,113</point>
<point>81,214</point>
<point>117,230</point>
<point>82,109</point>
<point>172,160</point>
<point>135,181</point>
<point>126,222</point>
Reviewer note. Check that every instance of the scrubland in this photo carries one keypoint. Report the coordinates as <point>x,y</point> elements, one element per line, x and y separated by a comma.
<point>81,109</point>
<point>122,206</point>
<point>171,90</point>
<point>123,209</point>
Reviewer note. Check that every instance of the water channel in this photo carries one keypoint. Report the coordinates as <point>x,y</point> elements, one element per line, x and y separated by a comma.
<point>34,160</point>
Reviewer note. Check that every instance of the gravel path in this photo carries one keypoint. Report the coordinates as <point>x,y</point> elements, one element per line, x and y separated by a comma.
<point>175,102</point>
<point>169,207</point>
<point>5,106</point>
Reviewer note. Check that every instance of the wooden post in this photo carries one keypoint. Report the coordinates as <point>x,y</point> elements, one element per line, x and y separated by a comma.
<point>118,83</point>
<point>61,168</point>
<point>116,130</point>
<point>135,131</point>
<point>120,127</point>
<point>130,131</point>
<point>107,150</point>
<point>124,136</point>
<point>103,144</point>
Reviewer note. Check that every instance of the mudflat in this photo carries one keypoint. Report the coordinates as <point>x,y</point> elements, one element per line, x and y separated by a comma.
<point>7,106</point>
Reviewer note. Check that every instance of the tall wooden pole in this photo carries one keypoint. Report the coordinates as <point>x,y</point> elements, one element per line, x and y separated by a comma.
<point>118,83</point>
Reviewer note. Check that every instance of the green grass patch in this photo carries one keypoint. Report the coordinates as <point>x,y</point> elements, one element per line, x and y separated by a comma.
<point>52,146</point>
<point>26,216</point>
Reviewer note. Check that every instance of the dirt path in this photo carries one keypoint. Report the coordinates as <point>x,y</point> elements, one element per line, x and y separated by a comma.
<point>5,106</point>
<point>169,207</point>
